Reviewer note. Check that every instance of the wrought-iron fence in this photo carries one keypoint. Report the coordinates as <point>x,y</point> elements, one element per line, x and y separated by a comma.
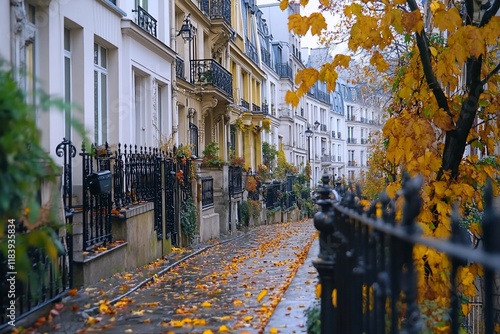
<point>235,179</point>
<point>97,204</point>
<point>46,283</point>
<point>274,195</point>
<point>207,191</point>
<point>366,263</point>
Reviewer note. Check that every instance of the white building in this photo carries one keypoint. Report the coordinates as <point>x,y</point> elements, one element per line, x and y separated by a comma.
<point>115,63</point>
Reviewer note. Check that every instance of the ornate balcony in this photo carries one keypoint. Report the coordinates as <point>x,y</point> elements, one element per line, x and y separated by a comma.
<point>251,51</point>
<point>179,68</point>
<point>266,56</point>
<point>244,103</point>
<point>208,72</point>
<point>255,108</point>
<point>146,21</point>
<point>265,108</point>
<point>217,9</point>
<point>284,71</point>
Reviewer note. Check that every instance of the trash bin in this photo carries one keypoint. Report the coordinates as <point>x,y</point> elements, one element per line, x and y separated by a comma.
<point>99,182</point>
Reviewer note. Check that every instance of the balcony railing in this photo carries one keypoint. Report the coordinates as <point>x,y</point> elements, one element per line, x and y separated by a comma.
<point>326,158</point>
<point>265,108</point>
<point>146,21</point>
<point>217,9</point>
<point>352,140</point>
<point>351,163</point>
<point>333,134</point>
<point>285,113</point>
<point>210,72</point>
<point>245,104</point>
<point>320,95</point>
<point>339,135</point>
<point>364,141</point>
<point>255,108</point>
<point>251,51</point>
<point>179,68</point>
<point>322,127</point>
<point>207,191</point>
<point>284,71</point>
<point>339,158</point>
<point>266,56</point>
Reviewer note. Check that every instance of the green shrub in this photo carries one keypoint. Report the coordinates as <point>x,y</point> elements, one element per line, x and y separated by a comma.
<point>188,218</point>
<point>313,322</point>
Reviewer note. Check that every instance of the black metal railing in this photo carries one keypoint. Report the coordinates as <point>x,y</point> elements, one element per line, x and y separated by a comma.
<point>284,70</point>
<point>207,191</point>
<point>251,51</point>
<point>289,200</point>
<point>45,284</point>
<point>273,195</point>
<point>265,108</point>
<point>179,68</point>
<point>319,95</point>
<point>339,135</point>
<point>96,205</point>
<point>244,103</point>
<point>352,140</point>
<point>265,56</point>
<point>193,135</point>
<point>322,127</point>
<point>67,151</point>
<point>217,9</point>
<point>235,179</point>
<point>146,21</point>
<point>255,108</point>
<point>171,200</point>
<point>367,262</point>
<point>210,72</point>
<point>134,175</point>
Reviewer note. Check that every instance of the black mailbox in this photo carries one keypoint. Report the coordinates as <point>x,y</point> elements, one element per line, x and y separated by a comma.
<point>99,182</point>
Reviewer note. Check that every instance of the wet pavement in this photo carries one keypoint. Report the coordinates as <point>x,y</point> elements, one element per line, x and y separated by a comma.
<point>234,287</point>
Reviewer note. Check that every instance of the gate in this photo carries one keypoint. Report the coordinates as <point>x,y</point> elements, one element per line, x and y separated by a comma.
<point>96,200</point>
<point>170,202</point>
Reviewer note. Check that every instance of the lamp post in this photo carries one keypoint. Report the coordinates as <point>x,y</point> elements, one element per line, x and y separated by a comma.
<point>309,134</point>
<point>186,32</point>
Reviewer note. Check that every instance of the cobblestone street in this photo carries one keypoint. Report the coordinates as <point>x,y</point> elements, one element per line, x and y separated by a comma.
<point>234,287</point>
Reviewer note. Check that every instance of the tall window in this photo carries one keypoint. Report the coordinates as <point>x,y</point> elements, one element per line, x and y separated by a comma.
<point>28,64</point>
<point>67,82</point>
<point>100,94</point>
<point>142,3</point>
<point>350,133</point>
<point>140,109</point>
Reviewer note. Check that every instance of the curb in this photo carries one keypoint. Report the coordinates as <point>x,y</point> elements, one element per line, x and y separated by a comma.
<point>95,310</point>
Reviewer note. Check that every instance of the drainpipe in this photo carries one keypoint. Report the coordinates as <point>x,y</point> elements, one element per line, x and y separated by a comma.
<point>173,45</point>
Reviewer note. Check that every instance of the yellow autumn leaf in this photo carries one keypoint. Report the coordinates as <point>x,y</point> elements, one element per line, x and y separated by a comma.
<point>284,4</point>
<point>325,3</point>
<point>199,322</point>
<point>237,302</point>
<point>318,290</point>
<point>247,318</point>
<point>434,52</point>
<point>261,295</point>
<point>334,298</point>
<point>304,2</point>
<point>208,331</point>
<point>223,328</point>
<point>317,22</point>
<point>298,24</point>
<point>206,304</point>
<point>273,330</point>
<point>292,98</point>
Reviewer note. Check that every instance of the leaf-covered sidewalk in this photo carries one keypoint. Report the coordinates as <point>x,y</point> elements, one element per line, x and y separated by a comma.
<point>231,287</point>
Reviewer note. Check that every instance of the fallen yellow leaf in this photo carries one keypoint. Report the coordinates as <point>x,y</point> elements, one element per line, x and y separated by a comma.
<point>273,331</point>
<point>223,328</point>
<point>206,304</point>
<point>261,295</point>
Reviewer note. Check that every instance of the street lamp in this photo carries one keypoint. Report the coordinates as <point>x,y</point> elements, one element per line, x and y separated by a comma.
<point>186,32</point>
<point>309,134</point>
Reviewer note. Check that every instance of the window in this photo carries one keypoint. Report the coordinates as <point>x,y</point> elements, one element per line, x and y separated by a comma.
<point>100,94</point>
<point>142,3</point>
<point>67,82</point>
<point>140,109</point>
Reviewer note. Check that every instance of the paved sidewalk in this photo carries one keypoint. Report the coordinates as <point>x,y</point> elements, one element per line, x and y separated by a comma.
<point>222,272</point>
<point>290,315</point>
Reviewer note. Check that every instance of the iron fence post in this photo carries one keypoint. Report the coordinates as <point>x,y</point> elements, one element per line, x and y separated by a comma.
<point>325,263</point>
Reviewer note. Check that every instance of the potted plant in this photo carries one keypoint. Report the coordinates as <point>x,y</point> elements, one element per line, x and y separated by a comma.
<point>211,156</point>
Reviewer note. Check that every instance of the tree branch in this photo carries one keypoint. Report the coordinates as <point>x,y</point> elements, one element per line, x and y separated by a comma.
<point>427,66</point>
<point>492,73</point>
<point>490,12</point>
